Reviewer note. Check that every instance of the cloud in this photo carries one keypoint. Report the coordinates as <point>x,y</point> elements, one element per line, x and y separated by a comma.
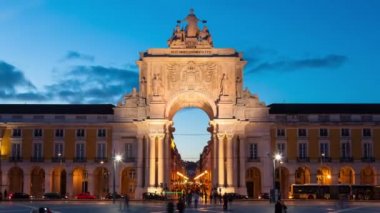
<point>93,84</point>
<point>79,84</point>
<point>11,79</point>
<point>74,55</point>
<point>330,61</point>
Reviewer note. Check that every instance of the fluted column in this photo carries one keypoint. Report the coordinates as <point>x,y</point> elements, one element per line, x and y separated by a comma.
<point>229,159</point>
<point>220,160</point>
<point>147,162</point>
<point>140,141</point>
<point>215,160</point>
<point>160,158</point>
<point>242,155</point>
<point>167,159</point>
<point>152,161</point>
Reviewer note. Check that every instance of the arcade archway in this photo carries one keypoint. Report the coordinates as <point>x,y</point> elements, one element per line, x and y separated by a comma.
<point>128,182</point>
<point>101,181</point>
<point>37,182</point>
<point>16,180</point>
<point>346,175</point>
<point>253,182</point>
<point>302,175</point>
<point>59,182</point>
<point>367,175</point>
<point>80,182</point>
<point>324,175</point>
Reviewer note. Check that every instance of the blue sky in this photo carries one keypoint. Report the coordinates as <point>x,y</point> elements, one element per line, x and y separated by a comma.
<point>85,51</point>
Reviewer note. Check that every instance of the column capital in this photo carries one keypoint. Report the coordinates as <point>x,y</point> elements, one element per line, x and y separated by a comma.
<point>160,136</point>
<point>225,135</point>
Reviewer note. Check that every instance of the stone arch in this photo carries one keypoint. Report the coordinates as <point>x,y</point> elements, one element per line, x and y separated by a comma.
<point>367,175</point>
<point>80,183</point>
<point>101,180</point>
<point>190,99</point>
<point>37,182</point>
<point>59,177</point>
<point>346,175</point>
<point>302,175</point>
<point>253,182</point>
<point>282,181</point>
<point>324,175</point>
<point>16,179</point>
<point>128,181</point>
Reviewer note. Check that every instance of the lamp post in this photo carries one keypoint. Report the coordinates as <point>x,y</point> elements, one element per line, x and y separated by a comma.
<point>117,158</point>
<point>276,157</point>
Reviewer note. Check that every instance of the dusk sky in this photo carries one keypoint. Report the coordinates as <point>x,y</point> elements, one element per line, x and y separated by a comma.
<point>85,51</point>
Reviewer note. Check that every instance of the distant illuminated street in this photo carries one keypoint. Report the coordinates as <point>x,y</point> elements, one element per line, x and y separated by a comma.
<point>160,207</point>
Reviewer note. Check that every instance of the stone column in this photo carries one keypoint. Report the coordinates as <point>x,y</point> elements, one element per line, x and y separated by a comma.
<point>160,157</point>
<point>140,159</point>
<point>48,179</point>
<point>242,169</point>
<point>214,160</point>
<point>229,165</point>
<point>152,161</point>
<point>220,160</point>
<point>69,183</point>
<point>147,162</point>
<point>26,186</point>
<point>167,159</point>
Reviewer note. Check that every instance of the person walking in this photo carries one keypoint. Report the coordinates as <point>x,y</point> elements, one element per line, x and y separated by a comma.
<point>181,206</point>
<point>196,199</point>
<point>126,202</point>
<point>280,207</point>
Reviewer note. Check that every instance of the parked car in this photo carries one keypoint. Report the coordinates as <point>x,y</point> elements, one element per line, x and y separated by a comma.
<point>42,210</point>
<point>85,195</point>
<point>236,196</point>
<point>53,196</point>
<point>264,196</point>
<point>19,196</point>
<point>153,196</point>
<point>109,196</point>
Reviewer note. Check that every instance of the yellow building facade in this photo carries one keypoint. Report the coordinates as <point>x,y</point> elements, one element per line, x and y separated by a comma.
<point>72,148</point>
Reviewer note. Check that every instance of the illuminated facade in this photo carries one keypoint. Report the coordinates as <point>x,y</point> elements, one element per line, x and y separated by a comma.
<point>70,148</point>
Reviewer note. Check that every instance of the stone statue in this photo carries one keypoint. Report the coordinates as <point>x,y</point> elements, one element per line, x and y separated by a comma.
<point>134,92</point>
<point>205,36</point>
<point>223,85</point>
<point>142,86</point>
<point>192,28</point>
<point>156,84</point>
<point>177,37</point>
<point>239,87</point>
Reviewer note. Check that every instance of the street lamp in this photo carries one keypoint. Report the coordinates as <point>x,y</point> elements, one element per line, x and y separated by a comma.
<point>276,157</point>
<point>117,158</point>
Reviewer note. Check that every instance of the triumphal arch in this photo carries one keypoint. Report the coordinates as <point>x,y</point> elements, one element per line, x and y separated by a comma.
<point>192,73</point>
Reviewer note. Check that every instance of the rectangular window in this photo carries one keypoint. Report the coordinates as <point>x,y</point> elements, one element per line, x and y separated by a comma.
<point>367,150</point>
<point>345,132</point>
<point>323,132</point>
<point>59,133</point>
<point>16,133</point>
<point>16,150</point>
<point>324,149</point>
<point>128,150</point>
<point>252,151</point>
<point>58,150</point>
<point>302,150</point>
<point>80,133</point>
<point>132,174</point>
<point>101,133</point>
<point>281,149</point>
<point>367,132</point>
<point>345,150</point>
<point>324,118</point>
<point>37,150</point>
<point>37,133</point>
<point>79,151</point>
<point>302,133</point>
<point>280,132</point>
<point>101,150</point>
